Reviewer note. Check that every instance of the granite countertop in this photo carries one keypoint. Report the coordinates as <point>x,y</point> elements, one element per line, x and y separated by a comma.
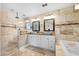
<point>35,33</point>
<point>40,33</point>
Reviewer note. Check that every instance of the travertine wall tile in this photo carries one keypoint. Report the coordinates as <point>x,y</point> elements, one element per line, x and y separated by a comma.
<point>64,16</point>
<point>0,40</point>
<point>8,17</point>
<point>66,30</point>
<point>9,40</point>
<point>8,34</point>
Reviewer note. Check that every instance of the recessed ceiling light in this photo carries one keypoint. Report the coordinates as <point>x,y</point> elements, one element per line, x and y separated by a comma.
<point>49,17</point>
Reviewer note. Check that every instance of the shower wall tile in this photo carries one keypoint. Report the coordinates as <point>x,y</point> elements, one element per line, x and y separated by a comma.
<point>9,40</point>
<point>8,17</point>
<point>8,35</point>
<point>66,30</point>
<point>0,40</point>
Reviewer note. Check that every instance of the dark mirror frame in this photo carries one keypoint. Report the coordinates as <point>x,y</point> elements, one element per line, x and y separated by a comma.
<point>38,26</point>
<point>53,20</point>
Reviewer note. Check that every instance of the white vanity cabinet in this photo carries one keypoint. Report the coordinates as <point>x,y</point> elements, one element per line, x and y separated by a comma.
<point>42,41</point>
<point>48,42</point>
<point>52,43</point>
<point>32,40</point>
<point>38,41</point>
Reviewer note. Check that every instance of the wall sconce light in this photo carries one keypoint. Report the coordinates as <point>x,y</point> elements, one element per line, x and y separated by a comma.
<point>37,19</point>
<point>76,7</point>
<point>49,17</point>
<point>20,22</point>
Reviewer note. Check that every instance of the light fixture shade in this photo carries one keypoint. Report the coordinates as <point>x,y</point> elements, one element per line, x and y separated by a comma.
<point>49,17</point>
<point>76,7</point>
<point>37,19</point>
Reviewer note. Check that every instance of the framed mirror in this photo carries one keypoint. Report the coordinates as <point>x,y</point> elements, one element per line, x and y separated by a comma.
<point>28,26</point>
<point>36,26</point>
<point>49,25</point>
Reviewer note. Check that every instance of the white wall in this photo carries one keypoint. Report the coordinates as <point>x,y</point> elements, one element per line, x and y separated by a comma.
<point>32,9</point>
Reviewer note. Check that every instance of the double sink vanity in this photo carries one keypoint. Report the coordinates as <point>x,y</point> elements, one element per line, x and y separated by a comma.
<point>45,41</point>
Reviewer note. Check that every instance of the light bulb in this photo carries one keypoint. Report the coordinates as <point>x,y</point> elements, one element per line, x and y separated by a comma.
<point>76,6</point>
<point>49,17</point>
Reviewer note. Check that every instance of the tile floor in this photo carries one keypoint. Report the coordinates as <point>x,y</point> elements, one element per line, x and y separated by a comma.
<point>35,51</point>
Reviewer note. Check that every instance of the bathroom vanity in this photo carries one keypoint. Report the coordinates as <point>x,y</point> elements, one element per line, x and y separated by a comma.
<point>42,41</point>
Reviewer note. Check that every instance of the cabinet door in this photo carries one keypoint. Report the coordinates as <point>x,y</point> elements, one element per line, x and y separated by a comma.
<point>52,43</point>
<point>29,39</point>
<point>44,42</point>
<point>38,42</point>
<point>32,40</point>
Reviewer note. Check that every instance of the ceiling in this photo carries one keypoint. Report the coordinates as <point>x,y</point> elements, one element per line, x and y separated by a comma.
<point>31,9</point>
